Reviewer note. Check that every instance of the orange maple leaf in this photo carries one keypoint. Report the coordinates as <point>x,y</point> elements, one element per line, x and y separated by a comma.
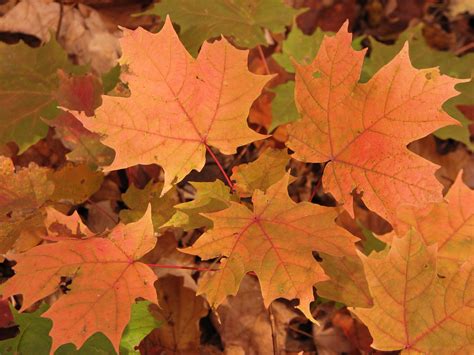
<point>179,106</point>
<point>106,280</point>
<point>415,310</point>
<point>275,241</point>
<point>450,224</point>
<point>362,130</point>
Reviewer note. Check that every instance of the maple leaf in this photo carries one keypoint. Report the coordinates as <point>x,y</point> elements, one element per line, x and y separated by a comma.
<point>362,130</point>
<point>454,107</point>
<point>60,226</point>
<point>268,169</point>
<point>275,241</point>
<point>74,184</point>
<point>137,201</point>
<point>299,47</point>
<point>242,20</point>
<point>347,283</point>
<point>421,55</point>
<point>106,279</point>
<point>178,106</point>
<point>34,339</point>
<point>29,88</point>
<point>85,146</point>
<point>283,105</point>
<point>450,224</point>
<point>23,193</point>
<point>180,314</point>
<point>210,197</point>
<point>413,309</point>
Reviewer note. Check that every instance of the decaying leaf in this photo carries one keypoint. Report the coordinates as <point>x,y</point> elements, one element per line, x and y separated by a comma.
<point>275,241</point>
<point>22,195</point>
<point>180,313</point>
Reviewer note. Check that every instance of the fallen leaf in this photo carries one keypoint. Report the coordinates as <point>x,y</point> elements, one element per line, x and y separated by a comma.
<point>137,201</point>
<point>260,174</point>
<point>106,279</point>
<point>258,241</point>
<point>362,130</point>
<point>414,310</point>
<point>29,84</point>
<point>210,197</point>
<point>241,20</point>
<point>450,224</point>
<point>193,104</point>
<point>82,32</point>
<point>180,313</point>
<point>347,282</point>
<point>23,194</point>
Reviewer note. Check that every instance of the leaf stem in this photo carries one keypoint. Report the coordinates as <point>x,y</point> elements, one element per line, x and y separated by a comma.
<point>229,181</point>
<point>165,266</point>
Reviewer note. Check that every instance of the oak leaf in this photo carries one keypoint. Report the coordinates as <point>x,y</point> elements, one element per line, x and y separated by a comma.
<point>179,106</point>
<point>362,130</point>
<point>242,20</point>
<point>106,280</point>
<point>450,224</point>
<point>415,310</point>
<point>275,241</point>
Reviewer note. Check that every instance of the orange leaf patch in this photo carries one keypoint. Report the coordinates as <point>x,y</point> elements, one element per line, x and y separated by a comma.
<point>275,241</point>
<point>362,130</point>
<point>106,280</point>
<point>179,106</point>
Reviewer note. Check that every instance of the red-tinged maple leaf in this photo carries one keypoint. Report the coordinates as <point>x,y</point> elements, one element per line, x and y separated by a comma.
<point>450,224</point>
<point>275,241</point>
<point>106,280</point>
<point>362,130</point>
<point>178,106</point>
<point>414,309</point>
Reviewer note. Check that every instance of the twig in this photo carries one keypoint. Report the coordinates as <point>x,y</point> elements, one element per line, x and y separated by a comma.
<point>60,21</point>
<point>272,324</point>
<point>264,60</point>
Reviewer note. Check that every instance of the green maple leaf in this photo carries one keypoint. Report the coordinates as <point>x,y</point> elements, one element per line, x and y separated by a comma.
<point>243,20</point>
<point>283,105</point>
<point>421,56</point>
<point>34,339</point>
<point>459,133</point>
<point>29,83</point>
<point>299,47</point>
